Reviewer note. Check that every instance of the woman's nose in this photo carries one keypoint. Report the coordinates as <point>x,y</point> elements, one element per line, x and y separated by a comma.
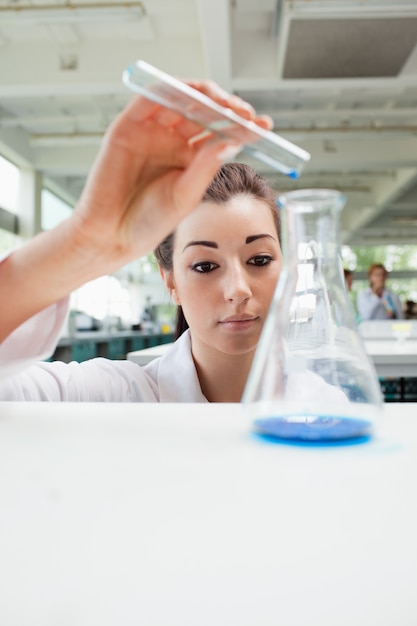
<point>236,286</point>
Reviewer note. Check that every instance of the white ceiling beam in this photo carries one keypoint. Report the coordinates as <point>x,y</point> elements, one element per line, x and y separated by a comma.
<point>330,114</point>
<point>14,145</point>
<point>354,221</point>
<point>410,66</point>
<point>215,36</point>
<point>255,83</point>
<point>349,133</point>
<point>63,34</point>
<point>65,139</point>
<point>391,155</point>
<point>47,89</point>
<point>170,8</point>
<point>352,155</point>
<point>384,192</point>
<point>75,137</point>
<point>282,116</point>
<point>65,160</point>
<point>49,120</point>
<point>100,66</point>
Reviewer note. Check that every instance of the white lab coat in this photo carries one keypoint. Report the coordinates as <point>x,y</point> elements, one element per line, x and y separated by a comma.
<point>172,378</point>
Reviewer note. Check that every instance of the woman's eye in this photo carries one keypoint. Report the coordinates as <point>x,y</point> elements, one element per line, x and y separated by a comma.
<point>204,267</point>
<point>260,260</point>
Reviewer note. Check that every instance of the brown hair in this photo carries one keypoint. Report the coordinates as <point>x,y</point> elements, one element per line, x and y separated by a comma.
<point>232,179</point>
<point>377,266</point>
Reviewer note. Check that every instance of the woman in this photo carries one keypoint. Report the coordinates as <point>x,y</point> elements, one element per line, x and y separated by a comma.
<point>220,265</point>
<point>150,174</point>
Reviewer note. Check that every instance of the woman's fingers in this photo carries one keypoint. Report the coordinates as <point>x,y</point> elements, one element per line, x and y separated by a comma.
<point>194,180</point>
<point>264,121</point>
<point>142,109</point>
<point>222,97</point>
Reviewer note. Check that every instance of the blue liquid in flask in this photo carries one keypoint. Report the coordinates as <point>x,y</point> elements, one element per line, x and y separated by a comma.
<point>313,427</point>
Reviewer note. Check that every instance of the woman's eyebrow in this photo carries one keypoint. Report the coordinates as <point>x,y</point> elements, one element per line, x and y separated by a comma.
<point>208,244</point>
<point>213,244</point>
<point>255,237</point>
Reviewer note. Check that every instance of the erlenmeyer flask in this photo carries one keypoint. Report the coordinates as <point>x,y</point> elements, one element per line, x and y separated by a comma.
<point>311,377</point>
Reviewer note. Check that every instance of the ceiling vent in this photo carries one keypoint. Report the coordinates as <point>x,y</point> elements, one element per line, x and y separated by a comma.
<point>348,48</point>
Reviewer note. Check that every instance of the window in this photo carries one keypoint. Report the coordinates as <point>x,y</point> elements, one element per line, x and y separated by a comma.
<point>104,299</point>
<point>9,188</point>
<point>8,241</point>
<point>54,210</point>
<point>9,192</point>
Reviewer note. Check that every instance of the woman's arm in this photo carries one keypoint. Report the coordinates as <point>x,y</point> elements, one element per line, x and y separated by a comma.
<point>150,172</point>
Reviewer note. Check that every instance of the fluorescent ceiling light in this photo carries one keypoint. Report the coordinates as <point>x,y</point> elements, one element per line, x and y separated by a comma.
<point>352,8</point>
<point>71,12</point>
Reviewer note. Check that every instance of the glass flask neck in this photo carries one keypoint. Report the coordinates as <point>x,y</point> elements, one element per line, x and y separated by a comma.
<point>310,224</point>
<point>311,254</point>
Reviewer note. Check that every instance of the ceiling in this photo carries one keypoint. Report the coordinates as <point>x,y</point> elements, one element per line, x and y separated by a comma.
<point>339,78</point>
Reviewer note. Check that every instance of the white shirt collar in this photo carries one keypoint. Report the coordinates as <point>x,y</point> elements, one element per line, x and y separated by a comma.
<point>176,375</point>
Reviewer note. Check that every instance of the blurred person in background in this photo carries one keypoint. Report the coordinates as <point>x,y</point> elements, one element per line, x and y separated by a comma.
<point>410,311</point>
<point>376,302</point>
<point>348,274</point>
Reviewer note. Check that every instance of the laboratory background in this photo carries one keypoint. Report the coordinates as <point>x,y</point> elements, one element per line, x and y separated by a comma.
<point>338,77</point>
<point>185,513</point>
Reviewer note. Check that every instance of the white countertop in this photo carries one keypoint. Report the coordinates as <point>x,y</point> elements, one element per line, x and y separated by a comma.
<point>397,350</point>
<point>178,515</point>
<point>391,357</point>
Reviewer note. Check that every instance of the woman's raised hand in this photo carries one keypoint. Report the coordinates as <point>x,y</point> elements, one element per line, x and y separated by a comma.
<point>153,167</point>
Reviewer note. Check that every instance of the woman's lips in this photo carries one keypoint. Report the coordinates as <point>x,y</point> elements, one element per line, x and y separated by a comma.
<point>239,323</point>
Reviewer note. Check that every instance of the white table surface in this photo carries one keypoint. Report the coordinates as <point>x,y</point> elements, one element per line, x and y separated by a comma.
<point>391,357</point>
<point>177,515</point>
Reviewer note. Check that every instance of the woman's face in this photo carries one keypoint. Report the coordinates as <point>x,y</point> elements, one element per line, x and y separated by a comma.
<point>226,264</point>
